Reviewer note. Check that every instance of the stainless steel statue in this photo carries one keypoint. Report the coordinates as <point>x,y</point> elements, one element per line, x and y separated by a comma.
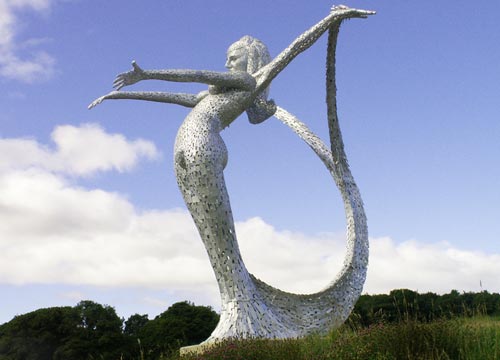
<point>251,308</point>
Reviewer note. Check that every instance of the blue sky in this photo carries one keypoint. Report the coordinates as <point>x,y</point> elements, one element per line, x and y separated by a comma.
<point>89,205</point>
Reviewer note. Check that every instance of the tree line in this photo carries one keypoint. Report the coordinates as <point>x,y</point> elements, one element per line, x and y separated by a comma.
<point>404,304</point>
<point>93,331</point>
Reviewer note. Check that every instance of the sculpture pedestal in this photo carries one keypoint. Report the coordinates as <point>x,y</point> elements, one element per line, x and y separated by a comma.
<point>196,349</point>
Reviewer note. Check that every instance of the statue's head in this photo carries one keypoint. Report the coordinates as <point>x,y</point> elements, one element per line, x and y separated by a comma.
<point>247,54</point>
<point>250,54</point>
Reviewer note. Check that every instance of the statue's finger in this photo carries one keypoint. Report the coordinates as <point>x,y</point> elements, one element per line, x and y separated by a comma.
<point>118,79</point>
<point>119,84</point>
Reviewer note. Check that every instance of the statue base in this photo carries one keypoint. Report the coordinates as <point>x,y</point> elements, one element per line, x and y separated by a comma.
<point>196,349</point>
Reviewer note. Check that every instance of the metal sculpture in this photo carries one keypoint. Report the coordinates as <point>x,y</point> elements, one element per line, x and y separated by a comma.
<point>251,308</point>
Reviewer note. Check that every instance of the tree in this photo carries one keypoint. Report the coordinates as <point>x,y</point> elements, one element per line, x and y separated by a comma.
<point>38,334</point>
<point>134,324</point>
<point>403,303</point>
<point>98,334</point>
<point>93,331</point>
<point>182,324</point>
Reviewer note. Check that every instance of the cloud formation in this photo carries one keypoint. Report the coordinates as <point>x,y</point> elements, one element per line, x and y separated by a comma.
<point>430,267</point>
<point>53,232</point>
<point>36,64</point>
<point>80,151</point>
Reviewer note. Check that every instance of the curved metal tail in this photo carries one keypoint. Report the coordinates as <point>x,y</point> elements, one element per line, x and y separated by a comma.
<point>329,308</point>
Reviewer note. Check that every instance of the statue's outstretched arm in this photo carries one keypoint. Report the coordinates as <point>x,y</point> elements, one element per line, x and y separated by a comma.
<point>267,73</point>
<point>188,100</point>
<point>238,79</point>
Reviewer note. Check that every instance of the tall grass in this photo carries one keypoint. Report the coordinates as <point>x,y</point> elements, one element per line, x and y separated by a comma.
<point>459,338</point>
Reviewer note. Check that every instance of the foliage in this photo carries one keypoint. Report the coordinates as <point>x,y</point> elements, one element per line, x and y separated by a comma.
<point>182,324</point>
<point>81,332</point>
<point>401,325</point>
<point>472,339</point>
<point>404,303</point>
<point>93,331</point>
<point>134,324</point>
<point>37,335</point>
<point>97,333</point>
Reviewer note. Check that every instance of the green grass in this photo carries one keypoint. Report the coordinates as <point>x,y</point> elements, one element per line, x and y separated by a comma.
<point>460,338</point>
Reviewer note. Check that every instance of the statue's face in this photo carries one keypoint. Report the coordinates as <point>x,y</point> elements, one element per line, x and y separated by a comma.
<point>237,59</point>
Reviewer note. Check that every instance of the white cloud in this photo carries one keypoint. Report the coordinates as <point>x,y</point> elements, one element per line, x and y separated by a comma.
<point>289,260</point>
<point>38,65</point>
<point>52,232</point>
<point>80,151</point>
<point>430,267</point>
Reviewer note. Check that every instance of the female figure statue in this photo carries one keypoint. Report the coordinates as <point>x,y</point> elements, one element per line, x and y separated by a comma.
<point>250,308</point>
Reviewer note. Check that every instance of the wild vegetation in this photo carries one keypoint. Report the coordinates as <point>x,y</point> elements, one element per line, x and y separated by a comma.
<point>399,325</point>
<point>451,339</point>
<point>93,331</point>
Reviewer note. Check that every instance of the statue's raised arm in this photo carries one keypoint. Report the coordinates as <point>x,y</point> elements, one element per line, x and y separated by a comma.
<point>338,13</point>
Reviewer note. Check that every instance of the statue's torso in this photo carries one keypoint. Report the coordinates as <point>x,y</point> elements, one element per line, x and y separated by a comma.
<point>199,137</point>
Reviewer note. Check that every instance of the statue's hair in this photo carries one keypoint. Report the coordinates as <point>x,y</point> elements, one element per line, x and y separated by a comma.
<point>258,55</point>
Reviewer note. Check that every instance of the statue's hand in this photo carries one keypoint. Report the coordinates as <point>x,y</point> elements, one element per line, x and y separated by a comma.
<point>350,12</point>
<point>96,102</point>
<point>338,7</point>
<point>100,100</point>
<point>129,77</point>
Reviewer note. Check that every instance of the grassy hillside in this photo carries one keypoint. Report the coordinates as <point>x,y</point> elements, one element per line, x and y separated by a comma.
<point>460,338</point>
